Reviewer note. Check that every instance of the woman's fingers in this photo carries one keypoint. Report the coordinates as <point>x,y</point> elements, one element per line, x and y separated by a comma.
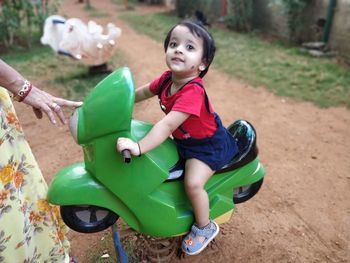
<point>42,101</point>
<point>38,113</point>
<point>57,109</point>
<point>59,103</point>
<point>67,103</point>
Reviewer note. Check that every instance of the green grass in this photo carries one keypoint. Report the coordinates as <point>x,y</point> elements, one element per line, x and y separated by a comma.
<point>284,70</point>
<point>68,76</point>
<point>93,12</point>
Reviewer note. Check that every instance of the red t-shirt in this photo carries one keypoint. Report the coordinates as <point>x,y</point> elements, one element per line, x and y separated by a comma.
<point>190,99</point>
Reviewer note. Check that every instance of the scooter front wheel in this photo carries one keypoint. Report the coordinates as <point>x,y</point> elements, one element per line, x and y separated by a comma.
<point>87,218</point>
<point>244,193</point>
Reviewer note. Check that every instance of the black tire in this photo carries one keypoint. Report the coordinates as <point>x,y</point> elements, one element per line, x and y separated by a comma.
<point>87,218</point>
<point>244,193</point>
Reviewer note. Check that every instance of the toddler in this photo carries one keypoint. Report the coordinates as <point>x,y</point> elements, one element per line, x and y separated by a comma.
<point>197,130</point>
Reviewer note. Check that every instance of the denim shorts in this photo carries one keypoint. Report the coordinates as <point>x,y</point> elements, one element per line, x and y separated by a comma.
<point>215,151</point>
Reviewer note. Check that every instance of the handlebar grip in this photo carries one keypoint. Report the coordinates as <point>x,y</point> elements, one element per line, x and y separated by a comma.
<point>127,156</point>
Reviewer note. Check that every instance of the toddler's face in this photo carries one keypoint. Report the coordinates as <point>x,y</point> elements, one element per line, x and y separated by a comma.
<point>184,53</point>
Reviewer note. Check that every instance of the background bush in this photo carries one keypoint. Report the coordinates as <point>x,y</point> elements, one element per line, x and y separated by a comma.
<point>240,15</point>
<point>21,19</point>
<point>294,10</point>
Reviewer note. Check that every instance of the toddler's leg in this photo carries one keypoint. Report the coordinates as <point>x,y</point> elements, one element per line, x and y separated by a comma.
<point>204,230</point>
<point>197,174</point>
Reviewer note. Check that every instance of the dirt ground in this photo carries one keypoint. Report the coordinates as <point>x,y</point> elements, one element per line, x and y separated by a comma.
<point>302,212</point>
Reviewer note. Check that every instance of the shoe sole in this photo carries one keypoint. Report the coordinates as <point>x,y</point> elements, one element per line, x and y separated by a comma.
<point>205,244</point>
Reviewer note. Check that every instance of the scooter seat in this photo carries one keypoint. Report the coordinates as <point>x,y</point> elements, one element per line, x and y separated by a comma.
<point>245,136</point>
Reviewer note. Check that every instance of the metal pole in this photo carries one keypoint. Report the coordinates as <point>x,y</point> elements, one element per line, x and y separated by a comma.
<point>118,246</point>
<point>329,20</point>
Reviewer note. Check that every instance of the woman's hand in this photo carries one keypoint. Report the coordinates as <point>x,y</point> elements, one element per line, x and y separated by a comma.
<point>42,101</point>
<point>128,144</point>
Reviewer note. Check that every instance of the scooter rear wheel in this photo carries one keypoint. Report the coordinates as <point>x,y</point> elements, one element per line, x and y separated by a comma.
<point>87,218</point>
<point>244,193</point>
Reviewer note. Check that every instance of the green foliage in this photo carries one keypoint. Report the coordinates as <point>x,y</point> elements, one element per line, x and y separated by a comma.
<point>187,8</point>
<point>240,17</point>
<point>20,18</point>
<point>294,10</point>
<point>213,11</point>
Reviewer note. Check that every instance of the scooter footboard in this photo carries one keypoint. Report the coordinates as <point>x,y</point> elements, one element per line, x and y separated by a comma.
<point>220,187</point>
<point>74,185</point>
<point>248,174</point>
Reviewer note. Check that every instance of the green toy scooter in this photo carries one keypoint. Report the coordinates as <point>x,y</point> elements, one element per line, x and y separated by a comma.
<point>148,192</point>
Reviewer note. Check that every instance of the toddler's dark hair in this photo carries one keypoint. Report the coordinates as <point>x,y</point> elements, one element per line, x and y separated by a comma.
<point>196,28</point>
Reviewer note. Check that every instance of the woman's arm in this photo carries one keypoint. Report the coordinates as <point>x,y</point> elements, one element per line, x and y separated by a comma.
<point>10,79</point>
<point>143,93</point>
<point>158,134</point>
<point>40,100</point>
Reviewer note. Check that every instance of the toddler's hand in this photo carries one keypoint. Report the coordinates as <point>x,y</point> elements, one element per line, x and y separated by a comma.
<point>126,143</point>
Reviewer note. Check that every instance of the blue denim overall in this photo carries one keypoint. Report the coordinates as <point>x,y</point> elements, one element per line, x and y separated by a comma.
<point>216,151</point>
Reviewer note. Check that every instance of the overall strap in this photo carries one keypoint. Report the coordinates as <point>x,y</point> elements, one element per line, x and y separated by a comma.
<point>167,80</point>
<point>206,99</point>
<point>163,85</point>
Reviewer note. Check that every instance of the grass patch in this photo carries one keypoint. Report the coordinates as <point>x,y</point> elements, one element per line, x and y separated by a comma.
<point>22,45</point>
<point>282,69</point>
<point>21,55</point>
<point>93,12</point>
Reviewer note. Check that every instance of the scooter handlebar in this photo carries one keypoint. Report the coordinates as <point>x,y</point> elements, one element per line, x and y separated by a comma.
<point>127,156</point>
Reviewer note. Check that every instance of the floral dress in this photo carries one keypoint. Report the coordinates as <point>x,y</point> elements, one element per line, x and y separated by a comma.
<point>31,230</point>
